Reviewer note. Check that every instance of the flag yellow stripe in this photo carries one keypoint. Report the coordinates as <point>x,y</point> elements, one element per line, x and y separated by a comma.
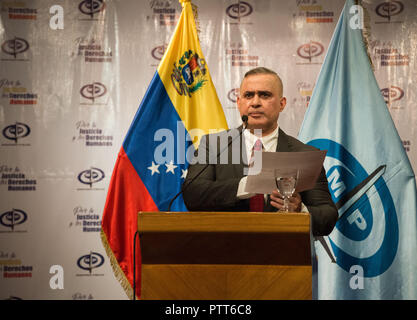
<point>197,103</point>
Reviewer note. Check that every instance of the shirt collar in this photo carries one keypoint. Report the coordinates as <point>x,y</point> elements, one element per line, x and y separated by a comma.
<point>268,141</point>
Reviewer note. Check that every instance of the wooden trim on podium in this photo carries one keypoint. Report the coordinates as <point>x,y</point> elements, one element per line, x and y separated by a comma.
<point>223,222</point>
<point>225,255</point>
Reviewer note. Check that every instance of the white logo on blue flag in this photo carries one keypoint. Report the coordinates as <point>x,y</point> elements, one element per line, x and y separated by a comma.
<point>359,197</point>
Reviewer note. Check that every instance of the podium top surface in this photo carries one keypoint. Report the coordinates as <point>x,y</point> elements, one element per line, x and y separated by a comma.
<point>215,222</point>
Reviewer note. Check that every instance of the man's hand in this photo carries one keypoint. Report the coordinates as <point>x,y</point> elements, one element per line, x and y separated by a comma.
<point>277,201</point>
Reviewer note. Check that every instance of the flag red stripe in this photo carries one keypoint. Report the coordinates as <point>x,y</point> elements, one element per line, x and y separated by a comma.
<point>126,196</point>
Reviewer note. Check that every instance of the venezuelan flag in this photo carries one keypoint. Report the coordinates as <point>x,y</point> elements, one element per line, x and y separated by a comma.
<point>179,107</point>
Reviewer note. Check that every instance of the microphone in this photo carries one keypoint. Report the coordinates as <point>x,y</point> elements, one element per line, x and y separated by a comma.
<point>245,121</point>
<point>245,124</point>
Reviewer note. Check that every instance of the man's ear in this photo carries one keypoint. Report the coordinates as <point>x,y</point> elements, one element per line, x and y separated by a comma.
<point>283,103</point>
<point>238,103</point>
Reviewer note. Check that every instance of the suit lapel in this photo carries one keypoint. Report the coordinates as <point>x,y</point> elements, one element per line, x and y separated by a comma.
<point>282,145</point>
<point>238,168</point>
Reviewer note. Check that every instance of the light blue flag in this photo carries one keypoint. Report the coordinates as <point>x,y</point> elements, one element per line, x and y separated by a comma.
<point>370,177</point>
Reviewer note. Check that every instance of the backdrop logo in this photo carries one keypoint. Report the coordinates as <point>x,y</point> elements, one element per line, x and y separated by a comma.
<point>93,91</point>
<point>17,271</point>
<point>305,90</point>
<point>91,7</point>
<point>240,56</point>
<point>391,56</point>
<point>239,10</point>
<point>90,261</point>
<point>312,12</point>
<point>91,176</point>
<point>163,11</point>
<point>158,52</point>
<point>392,94</point>
<point>233,94</point>
<point>20,12</point>
<point>16,93</point>
<point>91,135</point>
<point>12,218</point>
<point>389,9</point>
<point>87,219</point>
<point>190,75</point>
<point>15,46</point>
<point>15,180</point>
<point>310,50</point>
<point>93,50</point>
<point>16,131</point>
<point>366,233</point>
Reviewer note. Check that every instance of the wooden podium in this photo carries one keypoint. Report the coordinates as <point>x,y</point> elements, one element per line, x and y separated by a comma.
<point>225,255</point>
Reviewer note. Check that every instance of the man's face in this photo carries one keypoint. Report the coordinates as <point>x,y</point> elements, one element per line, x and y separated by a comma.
<point>261,100</point>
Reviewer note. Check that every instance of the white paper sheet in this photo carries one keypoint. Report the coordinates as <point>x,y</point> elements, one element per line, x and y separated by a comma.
<point>308,163</point>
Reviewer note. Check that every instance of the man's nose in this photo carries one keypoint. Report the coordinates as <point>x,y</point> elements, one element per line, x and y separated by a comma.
<point>255,102</point>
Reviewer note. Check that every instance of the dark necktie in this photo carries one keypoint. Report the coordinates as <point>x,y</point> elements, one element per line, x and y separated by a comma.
<point>256,203</point>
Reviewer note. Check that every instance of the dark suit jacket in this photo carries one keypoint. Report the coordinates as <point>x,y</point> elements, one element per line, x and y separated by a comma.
<point>216,188</point>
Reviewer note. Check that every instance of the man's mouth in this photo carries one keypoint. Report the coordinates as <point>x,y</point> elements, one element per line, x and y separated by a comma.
<point>255,114</point>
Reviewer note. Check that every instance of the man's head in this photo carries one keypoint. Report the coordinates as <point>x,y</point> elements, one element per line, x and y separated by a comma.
<point>261,99</point>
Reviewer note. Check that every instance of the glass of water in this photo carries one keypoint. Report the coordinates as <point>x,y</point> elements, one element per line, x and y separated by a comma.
<point>286,182</point>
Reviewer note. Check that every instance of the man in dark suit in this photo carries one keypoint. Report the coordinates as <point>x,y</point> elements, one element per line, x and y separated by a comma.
<point>220,187</point>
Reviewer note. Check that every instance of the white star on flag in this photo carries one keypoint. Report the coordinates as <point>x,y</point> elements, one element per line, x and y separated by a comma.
<point>184,173</point>
<point>170,167</point>
<point>154,168</point>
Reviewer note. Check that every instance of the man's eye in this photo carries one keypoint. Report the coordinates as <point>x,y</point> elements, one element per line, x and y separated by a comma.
<point>264,95</point>
<point>248,95</point>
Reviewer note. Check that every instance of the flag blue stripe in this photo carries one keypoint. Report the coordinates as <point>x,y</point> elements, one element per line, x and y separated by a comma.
<point>157,136</point>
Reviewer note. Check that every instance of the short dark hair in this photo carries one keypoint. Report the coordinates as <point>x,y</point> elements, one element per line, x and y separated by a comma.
<point>263,70</point>
<point>260,70</point>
